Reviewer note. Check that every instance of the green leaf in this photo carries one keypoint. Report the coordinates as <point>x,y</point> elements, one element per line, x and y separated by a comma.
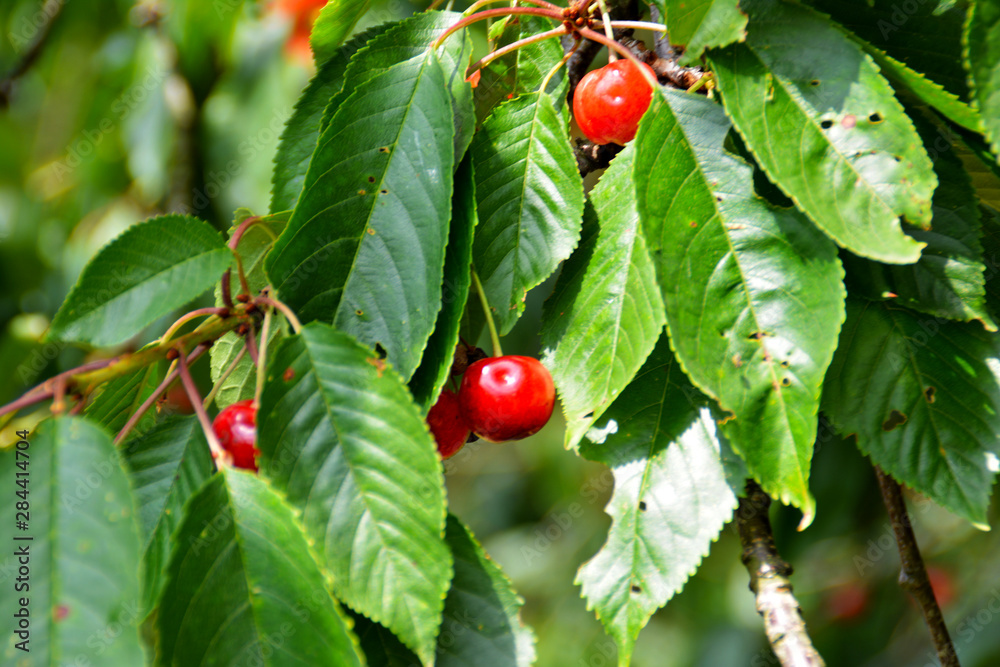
<point>166,467</point>
<point>410,39</point>
<point>825,127</point>
<point>606,312</point>
<point>482,623</point>
<point>117,400</point>
<point>948,279</point>
<point>243,588</point>
<point>253,247</point>
<point>927,90</point>
<point>922,397</point>
<point>982,61</point>
<point>435,367</point>
<point>523,70</point>
<point>702,25</point>
<point>82,548</point>
<point>670,502</point>
<point>753,293</point>
<point>342,438</point>
<point>301,133</point>
<point>333,25</point>
<point>924,37</point>
<point>530,198</point>
<point>365,246</point>
<point>151,269</point>
<point>381,647</point>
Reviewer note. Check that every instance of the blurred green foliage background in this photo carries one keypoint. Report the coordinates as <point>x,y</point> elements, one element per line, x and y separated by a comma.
<point>133,109</point>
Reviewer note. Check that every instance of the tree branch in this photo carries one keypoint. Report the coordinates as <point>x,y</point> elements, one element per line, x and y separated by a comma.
<point>52,9</point>
<point>783,623</point>
<point>912,574</point>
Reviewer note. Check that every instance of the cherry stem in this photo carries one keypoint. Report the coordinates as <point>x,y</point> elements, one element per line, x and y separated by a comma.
<point>608,30</point>
<point>611,44</point>
<point>227,298</point>
<point>222,378</point>
<point>639,25</point>
<point>482,3</point>
<point>261,358</point>
<point>499,53</point>
<point>251,343</point>
<point>234,241</point>
<point>221,456</point>
<point>187,317</point>
<point>494,338</point>
<point>285,310</point>
<point>490,13</point>
<point>162,387</point>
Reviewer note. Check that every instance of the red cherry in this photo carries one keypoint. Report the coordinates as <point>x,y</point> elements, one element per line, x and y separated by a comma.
<point>848,602</point>
<point>236,429</point>
<point>507,398</point>
<point>609,102</point>
<point>448,424</point>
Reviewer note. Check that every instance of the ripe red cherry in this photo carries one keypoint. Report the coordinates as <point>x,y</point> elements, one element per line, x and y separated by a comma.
<point>236,429</point>
<point>447,424</point>
<point>507,398</point>
<point>609,102</point>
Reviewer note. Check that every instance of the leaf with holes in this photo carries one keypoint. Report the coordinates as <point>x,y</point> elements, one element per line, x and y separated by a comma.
<point>340,435</point>
<point>530,199</point>
<point>606,312</point>
<point>702,25</point>
<point>753,293</point>
<point>825,127</point>
<point>84,556</point>
<point>922,398</point>
<point>948,279</point>
<point>151,269</point>
<point>166,467</point>
<point>366,243</point>
<point>982,61</point>
<point>670,502</point>
<point>302,130</point>
<point>919,43</point>
<point>242,586</point>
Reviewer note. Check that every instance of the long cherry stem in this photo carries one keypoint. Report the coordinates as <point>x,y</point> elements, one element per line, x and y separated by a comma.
<point>265,331</point>
<point>494,337</point>
<point>499,53</point>
<point>490,13</point>
<point>222,378</point>
<point>538,3</point>
<point>221,455</point>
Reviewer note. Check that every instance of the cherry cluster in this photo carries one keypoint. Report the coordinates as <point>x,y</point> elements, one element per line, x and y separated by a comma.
<point>499,399</point>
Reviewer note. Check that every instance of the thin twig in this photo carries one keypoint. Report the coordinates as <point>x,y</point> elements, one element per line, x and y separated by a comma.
<point>285,310</point>
<point>912,574</point>
<point>187,317</point>
<point>251,342</point>
<point>34,50</point>
<point>783,623</point>
<point>46,389</point>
